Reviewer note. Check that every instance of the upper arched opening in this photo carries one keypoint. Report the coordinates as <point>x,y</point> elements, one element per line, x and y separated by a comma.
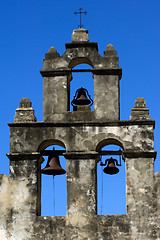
<point>111,182</point>
<point>53,178</point>
<point>80,60</point>
<point>50,142</point>
<point>82,78</point>
<point>108,141</point>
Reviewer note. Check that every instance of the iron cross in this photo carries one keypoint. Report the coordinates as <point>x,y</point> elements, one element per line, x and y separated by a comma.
<point>80,13</point>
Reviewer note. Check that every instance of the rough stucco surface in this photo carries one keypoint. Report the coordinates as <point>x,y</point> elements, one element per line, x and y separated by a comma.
<point>82,137</point>
<point>83,133</point>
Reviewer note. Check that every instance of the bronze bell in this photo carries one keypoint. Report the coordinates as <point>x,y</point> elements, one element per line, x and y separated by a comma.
<point>111,168</point>
<point>80,98</point>
<point>53,166</point>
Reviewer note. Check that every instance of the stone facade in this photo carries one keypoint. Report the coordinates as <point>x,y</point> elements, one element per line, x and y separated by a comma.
<point>82,133</point>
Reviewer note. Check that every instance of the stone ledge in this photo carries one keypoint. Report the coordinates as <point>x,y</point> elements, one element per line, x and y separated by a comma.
<point>23,156</point>
<point>51,218</point>
<point>66,72</point>
<point>82,44</point>
<point>81,123</point>
<point>81,155</point>
<point>139,154</point>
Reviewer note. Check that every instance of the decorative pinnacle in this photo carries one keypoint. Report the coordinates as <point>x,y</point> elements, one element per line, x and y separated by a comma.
<point>80,13</point>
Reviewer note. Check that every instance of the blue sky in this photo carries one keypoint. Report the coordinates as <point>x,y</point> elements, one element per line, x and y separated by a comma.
<point>30,27</point>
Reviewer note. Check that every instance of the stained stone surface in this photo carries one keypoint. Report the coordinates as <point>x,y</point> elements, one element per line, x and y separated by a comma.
<point>140,111</point>
<point>25,112</point>
<point>82,133</point>
<point>52,54</point>
<point>80,35</point>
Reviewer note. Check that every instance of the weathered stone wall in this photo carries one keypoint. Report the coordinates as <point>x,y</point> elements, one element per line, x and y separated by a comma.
<point>130,135</point>
<point>82,141</point>
<point>82,133</point>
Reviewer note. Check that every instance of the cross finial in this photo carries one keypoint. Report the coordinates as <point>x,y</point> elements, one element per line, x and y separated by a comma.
<point>80,13</point>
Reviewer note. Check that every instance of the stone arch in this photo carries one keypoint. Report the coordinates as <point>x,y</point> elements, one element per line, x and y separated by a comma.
<point>103,180</point>
<point>79,60</point>
<point>108,141</point>
<point>46,194</point>
<point>88,54</point>
<point>50,142</point>
<point>81,77</point>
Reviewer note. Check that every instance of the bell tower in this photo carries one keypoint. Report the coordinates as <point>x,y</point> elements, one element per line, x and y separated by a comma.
<point>57,74</point>
<point>83,133</point>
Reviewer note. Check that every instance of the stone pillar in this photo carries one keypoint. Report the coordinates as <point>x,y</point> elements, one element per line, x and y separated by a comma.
<point>157,207</point>
<point>106,86</point>
<point>139,190</point>
<point>55,86</point>
<point>81,195</point>
<point>55,96</point>
<point>5,209</point>
<point>25,173</point>
<point>106,96</point>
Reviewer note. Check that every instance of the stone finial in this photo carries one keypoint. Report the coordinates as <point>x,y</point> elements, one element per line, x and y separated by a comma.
<point>52,50</point>
<point>109,47</point>
<point>25,112</point>
<point>25,103</point>
<point>140,111</point>
<point>110,51</point>
<point>52,53</point>
<point>111,55</point>
<point>140,103</point>
<point>80,35</point>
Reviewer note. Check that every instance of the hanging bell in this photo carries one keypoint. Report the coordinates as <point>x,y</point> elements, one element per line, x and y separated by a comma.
<point>53,166</point>
<point>111,168</point>
<point>80,98</point>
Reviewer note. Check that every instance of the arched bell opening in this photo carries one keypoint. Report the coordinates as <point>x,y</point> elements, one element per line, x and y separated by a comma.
<point>82,87</point>
<point>80,60</point>
<point>53,180</point>
<point>111,179</point>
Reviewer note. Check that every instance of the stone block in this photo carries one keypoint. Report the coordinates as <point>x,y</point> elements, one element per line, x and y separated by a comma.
<point>140,112</point>
<point>80,35</point>
<point>25,112</point>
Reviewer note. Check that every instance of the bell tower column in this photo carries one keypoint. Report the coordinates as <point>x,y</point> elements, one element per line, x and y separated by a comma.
<point>82,194</point>
<point>55,85</point>
<point>106,86</point>
<point>139,190</point>
<point>25,194</point>
<point>55,94</point>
